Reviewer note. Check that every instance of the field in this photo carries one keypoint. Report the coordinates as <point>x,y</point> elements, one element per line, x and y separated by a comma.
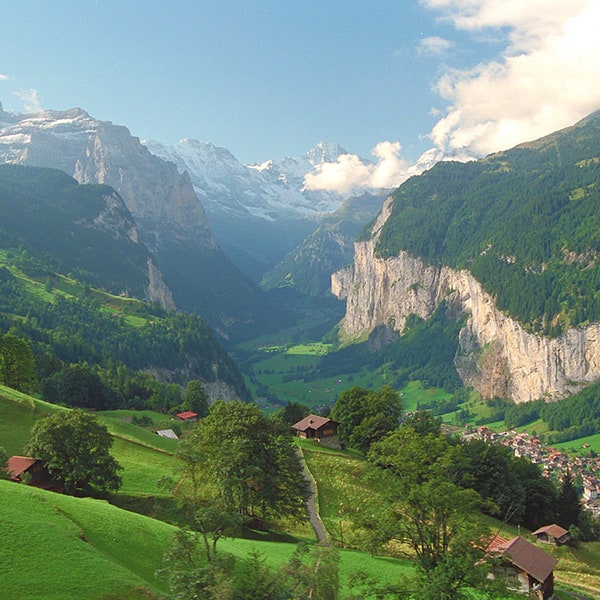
<point>73,548</point>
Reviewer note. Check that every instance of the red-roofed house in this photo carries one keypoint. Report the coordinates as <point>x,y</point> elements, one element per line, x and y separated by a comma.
<point>524,567</point>
<point>315,427</point>
<point>24,469</point>
<point>188,416</point>
<point>552,534</point>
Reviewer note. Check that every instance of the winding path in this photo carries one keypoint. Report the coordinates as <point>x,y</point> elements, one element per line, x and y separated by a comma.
<point>313,513</point>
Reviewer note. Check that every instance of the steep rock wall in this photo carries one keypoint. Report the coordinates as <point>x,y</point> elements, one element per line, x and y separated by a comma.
<point>496,355</point>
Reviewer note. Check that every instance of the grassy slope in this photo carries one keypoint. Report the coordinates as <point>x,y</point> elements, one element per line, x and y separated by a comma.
<point>122,550</point>
<point>56,546</point>
<point>83,548</point>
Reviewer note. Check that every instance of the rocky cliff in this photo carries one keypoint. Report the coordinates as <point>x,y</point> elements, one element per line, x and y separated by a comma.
<point>170,218</point>
<point>92,151</point>
<point>496,354</point>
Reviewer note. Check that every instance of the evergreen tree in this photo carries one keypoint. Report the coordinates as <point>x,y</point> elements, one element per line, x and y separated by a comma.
<point>17,365</point>
<point>568,506</point>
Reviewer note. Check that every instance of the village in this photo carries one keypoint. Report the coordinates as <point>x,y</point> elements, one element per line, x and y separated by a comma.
<point>554,464</point>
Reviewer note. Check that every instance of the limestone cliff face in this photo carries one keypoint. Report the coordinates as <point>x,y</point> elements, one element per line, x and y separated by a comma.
<point>496,356</point>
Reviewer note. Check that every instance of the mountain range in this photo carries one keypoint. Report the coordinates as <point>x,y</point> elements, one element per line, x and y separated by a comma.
<point>169,217</point>
<point>509,243</point>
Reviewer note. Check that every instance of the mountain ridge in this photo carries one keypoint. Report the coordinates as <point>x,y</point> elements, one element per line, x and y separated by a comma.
<point>509,240</point>
<point>170,218</point>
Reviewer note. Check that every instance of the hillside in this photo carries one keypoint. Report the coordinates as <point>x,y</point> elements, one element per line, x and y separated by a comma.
<point>113,553</point>
<point>67,322</point>
<point>307,269</point>
<point>525,222</point>
<point>170,218</point>
<point>509,242</point>
<point>85,230</point>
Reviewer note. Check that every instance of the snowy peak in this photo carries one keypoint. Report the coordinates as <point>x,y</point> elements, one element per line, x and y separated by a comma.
<point>268,190</point>
<point>324,152</point>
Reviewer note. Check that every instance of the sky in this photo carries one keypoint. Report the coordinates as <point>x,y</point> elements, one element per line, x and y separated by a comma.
<point>386,80</point>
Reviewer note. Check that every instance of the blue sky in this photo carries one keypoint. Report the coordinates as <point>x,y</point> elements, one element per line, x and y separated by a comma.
<point>268,79</point>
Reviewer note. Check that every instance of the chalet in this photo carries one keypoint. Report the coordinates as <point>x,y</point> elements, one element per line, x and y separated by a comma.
<point>524,567</point>
<point>315,427</point>
<point>552,534</point>
<point>187,416</point>
<point>24,469</point>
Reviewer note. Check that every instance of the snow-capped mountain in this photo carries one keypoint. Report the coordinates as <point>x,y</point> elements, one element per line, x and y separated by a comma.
<point>270,190</point>
<point>170,217</point>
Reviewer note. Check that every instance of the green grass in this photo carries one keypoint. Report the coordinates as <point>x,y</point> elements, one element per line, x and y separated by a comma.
<point>59,547</point>
<point>56,546</point>
<point>18,414</point>
<point>577,446</point>
<point>415,392</point>
<point>316,348</point>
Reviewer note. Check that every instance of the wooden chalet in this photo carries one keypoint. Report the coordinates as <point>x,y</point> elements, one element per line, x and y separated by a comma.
<point>25,469</point>
<point>187,416</point>
<point>315,427</point>
<point>552,534</point>
<point>524,567</point>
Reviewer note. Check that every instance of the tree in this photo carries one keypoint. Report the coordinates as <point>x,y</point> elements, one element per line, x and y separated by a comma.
<point>74,447</point>
<point>17,365</point>
<point>251,464</point>
<point>415,458</point>
<point>365,416</point>
<point>191,576</point>
<point>4,474</point>
<point>293,412</point>
<point>568,506</point>
<point>195,398</point>
<point>78,386</point>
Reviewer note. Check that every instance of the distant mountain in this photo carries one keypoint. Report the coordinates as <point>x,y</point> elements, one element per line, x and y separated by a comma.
<point>258,212</point>
<point>84,229</point>
<point>270,190</point>
<point>512,242</point>
<point>170,218</point>
<point>308,268</point>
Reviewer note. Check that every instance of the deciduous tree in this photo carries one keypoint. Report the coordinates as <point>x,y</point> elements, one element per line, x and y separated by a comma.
<point>74,447</point>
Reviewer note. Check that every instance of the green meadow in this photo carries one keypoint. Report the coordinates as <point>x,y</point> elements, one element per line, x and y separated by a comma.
<point>61,547</point>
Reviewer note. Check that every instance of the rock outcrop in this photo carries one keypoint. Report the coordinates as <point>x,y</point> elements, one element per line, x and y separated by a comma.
<point>496,354</point>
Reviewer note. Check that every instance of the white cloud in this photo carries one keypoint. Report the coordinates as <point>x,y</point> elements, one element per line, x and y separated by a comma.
<point>30,100</point>
<point>434,45</point>
<point>349,173</point>
<point>3,77</point>
<point>547,78</point>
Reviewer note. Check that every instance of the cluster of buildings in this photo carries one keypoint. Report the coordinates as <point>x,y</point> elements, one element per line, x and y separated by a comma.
<point>553,462</point>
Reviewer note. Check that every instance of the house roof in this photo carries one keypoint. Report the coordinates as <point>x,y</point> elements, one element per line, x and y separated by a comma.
<point>554,530</point>
<point>528,557</point>
<point>168,433</point>
<point>17,465</point>
<point>188,414</point>
<point>311,422</point>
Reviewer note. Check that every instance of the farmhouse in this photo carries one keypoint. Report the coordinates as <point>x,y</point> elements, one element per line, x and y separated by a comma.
<point>316,427</point>
<point>187,416</point>
<point>24,469</point>
<point>552,534</point>
<point>524,567</point>
<point>320,429</point>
